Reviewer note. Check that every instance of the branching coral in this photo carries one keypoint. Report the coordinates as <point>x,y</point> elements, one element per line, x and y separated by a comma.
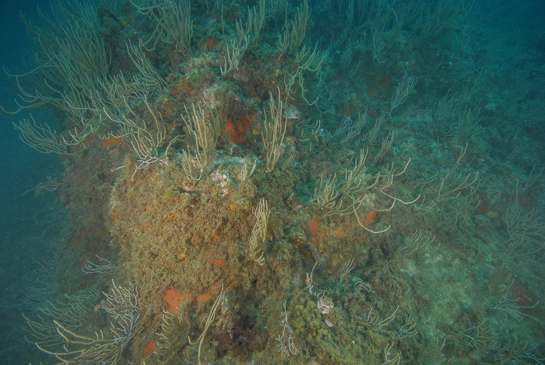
<point>172,337</point>
<point>123,307</point>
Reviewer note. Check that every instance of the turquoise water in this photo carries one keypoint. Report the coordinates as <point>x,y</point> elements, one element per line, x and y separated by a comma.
<point>273,182</point>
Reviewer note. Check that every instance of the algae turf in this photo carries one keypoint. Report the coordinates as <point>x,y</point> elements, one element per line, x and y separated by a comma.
<point>335,182</point>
